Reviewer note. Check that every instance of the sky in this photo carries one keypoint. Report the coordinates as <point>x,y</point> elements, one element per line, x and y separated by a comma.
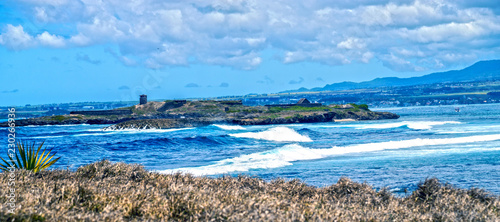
<point>58,51</point>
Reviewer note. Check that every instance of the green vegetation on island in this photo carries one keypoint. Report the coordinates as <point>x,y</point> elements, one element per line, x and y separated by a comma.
<point>182,113</point>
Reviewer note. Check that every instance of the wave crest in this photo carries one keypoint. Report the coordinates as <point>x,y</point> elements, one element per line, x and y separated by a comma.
<point>280,134</point>
<point>229,127</point>
<point>416,125</point>
<point>285,155</point>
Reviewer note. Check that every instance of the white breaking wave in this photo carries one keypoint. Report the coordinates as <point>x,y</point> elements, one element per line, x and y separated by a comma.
<point>102,132</point>
<point>471,129</point>
<point>262,160</point>
<point>133,131</point>
<point>412,125</point>
<point>63,125</point>
<point>44,137</point>
<point>285,155</point>
<point>230,127</point>
<point>280,134</point>
<point>418,125</point>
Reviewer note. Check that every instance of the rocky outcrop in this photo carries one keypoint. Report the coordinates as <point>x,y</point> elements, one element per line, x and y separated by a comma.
<point>366,115</point>
<point>181,113</point>
<point>254,119</point>
<point>159,124</point>
<point>316,118</point>
<point>64,121</point>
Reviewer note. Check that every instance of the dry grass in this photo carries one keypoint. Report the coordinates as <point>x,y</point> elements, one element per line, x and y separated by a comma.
<point>104,191</point>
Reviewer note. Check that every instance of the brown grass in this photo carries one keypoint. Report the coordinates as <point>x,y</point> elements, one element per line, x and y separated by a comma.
<point>104,191</point>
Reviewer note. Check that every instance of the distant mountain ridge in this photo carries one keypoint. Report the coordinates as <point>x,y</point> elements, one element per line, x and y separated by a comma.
<point>480,71</point>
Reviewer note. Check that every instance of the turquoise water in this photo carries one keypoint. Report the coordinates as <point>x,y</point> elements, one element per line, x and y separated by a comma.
<point>461,148</point>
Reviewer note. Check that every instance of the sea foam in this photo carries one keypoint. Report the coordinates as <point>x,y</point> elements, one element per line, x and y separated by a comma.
<point>287,154</point>
<point>280,134</point>
<point>229,127</point>
<point>104,132</point>
<point>416,125</point>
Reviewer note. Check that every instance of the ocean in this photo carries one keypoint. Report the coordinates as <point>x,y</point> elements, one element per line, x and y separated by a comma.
<point>460,148</point>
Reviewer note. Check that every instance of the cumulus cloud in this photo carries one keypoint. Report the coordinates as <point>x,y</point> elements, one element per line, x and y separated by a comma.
<point>403,35</point>
<point>47,39</point>
<point>15,38</point>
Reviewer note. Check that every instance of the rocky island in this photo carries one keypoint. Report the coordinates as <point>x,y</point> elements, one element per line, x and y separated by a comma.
<point>183,113</point>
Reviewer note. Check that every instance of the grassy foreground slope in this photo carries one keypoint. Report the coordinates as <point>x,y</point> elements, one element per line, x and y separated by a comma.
<point>104,191</point>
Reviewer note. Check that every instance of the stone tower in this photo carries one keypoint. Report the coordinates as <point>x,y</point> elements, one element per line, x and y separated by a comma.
<point>143,99</point>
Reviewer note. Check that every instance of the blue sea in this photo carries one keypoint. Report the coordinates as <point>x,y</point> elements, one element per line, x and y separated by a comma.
<point>461,148</point>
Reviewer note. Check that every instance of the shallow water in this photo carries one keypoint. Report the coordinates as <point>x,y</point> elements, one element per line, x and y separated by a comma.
<point>461,148</point>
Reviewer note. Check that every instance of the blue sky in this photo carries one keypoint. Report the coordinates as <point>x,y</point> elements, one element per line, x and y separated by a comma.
<point>54,51</point>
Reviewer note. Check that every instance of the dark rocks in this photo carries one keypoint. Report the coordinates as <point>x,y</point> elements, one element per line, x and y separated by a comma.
<point>159,124</point>
<point>63,121</point>
<point>317,118</point>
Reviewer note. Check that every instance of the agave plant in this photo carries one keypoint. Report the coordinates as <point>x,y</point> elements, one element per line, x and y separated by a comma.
<point>27,158</point>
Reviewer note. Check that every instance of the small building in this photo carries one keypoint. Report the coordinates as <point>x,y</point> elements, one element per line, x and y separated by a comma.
<point>303,101</point>
<point>143,99</point>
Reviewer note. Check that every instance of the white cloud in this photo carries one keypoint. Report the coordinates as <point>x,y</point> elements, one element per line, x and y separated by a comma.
<point>352,43</point>
<point>41,15</point>
<point>400,64</point>
<point>366,57</point>
<point>47,39</point>
<point>450,31</point>
<point>375,15</point>
<point>403,35</point>
<point>80,40</point>
<point>15,38</point>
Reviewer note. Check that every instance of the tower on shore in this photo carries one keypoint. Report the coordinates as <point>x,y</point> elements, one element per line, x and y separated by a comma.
<point>143,100</point>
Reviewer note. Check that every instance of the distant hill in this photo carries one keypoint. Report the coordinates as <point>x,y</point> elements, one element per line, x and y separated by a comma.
<point>480,71</point>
